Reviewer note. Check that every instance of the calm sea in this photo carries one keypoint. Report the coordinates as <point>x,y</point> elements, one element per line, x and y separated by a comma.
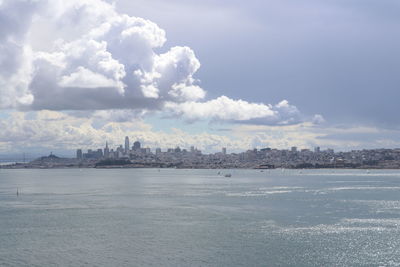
<point>147,217</point>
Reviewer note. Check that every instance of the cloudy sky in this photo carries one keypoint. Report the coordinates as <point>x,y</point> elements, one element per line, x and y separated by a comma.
<point>235,74</point>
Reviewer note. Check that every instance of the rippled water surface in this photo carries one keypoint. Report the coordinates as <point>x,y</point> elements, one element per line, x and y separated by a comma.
<point>150,217</point>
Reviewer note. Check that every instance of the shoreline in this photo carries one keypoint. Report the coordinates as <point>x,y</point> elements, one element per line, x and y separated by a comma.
<point>12,167</point>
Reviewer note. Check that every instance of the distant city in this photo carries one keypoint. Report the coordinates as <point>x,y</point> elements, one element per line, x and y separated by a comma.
<point>137,156</point>
<point>135,152</point>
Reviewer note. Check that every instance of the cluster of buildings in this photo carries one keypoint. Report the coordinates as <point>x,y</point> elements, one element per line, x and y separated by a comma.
<point>134,152</point>
<point>137,156</point>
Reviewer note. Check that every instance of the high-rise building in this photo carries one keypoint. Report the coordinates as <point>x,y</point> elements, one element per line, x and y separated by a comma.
<point>106,151</point>
<point>126,144</point>
<point>136,145</point>
<point>330,151</point>
<point>224,150</point>
<point>79,154</point>
<point>317,149</point>
<point>294,149</point>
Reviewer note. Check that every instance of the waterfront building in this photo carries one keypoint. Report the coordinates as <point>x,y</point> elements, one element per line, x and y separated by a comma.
<point>93,154</point>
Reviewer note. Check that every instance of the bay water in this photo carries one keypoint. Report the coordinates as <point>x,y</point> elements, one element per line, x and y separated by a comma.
<point>178,217</point>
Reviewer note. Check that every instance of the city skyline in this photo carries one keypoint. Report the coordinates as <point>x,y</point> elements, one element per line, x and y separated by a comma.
<point>138,156</point>
<point>228,74</point>
<point>124,150</point>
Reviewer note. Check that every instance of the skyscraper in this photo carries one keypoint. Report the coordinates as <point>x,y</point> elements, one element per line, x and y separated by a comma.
<point>126,144</point>
<point>106,151</point>
<point>136,145</point>
<point>224,150</point>
<point>79,154</point>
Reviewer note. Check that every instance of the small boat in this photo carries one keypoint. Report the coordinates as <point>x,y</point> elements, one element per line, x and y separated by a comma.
<point>228,175</point>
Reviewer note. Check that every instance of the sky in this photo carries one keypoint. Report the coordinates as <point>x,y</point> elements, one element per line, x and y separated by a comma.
<point>213,74</point>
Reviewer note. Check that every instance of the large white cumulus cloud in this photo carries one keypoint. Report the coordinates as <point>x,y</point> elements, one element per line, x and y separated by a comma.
<point>15,54</point>
<point>226,109</point>
<point>102,60</point>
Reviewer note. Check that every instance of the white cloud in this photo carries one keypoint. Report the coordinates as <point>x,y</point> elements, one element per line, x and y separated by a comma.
<point>189,93</point>
<point>87,79</point>
<point>15,55</point>
<point>103,60</point>
<point>226,109</point>
<point>222,108</point>
<point>318,119</point>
